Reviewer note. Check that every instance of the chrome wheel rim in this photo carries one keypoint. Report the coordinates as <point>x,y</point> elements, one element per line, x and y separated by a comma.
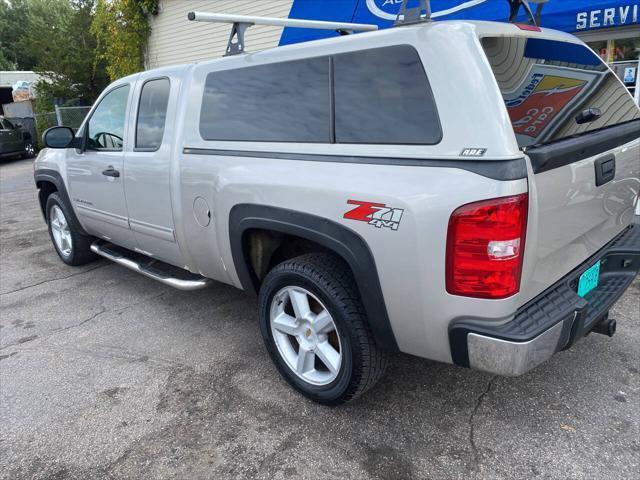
<point>29,149</point>
<point>60,231</point>
<point>306,336</point>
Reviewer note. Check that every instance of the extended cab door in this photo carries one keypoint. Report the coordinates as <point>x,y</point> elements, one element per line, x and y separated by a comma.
<point>95,173</point>
<point>148,165</point>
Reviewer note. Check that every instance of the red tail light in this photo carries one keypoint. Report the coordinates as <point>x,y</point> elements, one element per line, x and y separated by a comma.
<point>485,245</point>
<point>528,28</point>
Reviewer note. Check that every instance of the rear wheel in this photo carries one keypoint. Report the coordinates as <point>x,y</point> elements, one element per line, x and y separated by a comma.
<point>315,329</point>
<point>72,246</point>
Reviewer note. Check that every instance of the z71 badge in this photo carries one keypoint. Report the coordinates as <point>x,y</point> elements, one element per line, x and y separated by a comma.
<point>377,214</point>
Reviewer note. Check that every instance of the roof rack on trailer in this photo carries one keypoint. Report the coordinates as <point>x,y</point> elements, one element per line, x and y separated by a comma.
<point>240,23</point>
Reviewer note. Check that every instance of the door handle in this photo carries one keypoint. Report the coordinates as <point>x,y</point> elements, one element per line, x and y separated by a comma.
<point>111,172</point>
<point>605,169</point>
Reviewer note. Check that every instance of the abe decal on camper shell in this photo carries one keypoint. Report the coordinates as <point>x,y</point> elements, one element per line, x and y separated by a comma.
<point>377,214</point>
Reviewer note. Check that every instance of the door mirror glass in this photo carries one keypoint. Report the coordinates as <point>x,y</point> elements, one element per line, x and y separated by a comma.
<point>57,137</point>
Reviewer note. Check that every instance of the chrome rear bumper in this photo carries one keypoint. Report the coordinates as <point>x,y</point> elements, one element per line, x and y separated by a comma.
<point>552,321</point>
<point>509,358</point>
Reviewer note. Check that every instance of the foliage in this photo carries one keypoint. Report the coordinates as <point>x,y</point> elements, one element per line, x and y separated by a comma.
<point>77,45</point>
<point>53,38</point>
<point>12,28</point>
<point>122,30</point>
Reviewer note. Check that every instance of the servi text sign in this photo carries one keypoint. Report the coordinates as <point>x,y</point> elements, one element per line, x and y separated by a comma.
<point>565,15</point>
<point>607,17</point>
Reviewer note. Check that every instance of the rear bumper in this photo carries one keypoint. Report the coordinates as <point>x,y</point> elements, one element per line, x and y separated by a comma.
<point>552,321</point>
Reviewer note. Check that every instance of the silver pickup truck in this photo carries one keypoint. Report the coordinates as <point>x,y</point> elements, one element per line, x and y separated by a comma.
<point>466,192</point>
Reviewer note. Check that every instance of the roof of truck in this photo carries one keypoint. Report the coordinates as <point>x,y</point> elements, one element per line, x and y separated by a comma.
<point>476,28</point>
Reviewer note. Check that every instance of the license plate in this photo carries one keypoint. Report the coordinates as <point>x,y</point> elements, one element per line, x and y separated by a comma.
<point>589,279</point>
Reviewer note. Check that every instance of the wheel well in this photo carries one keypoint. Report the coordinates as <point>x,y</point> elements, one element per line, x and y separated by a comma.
<point>267,248</point>
<point>44,190</point>
<point>261,235</point>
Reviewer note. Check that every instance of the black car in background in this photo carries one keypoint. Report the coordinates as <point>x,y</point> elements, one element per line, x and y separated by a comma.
<point>15,140</point>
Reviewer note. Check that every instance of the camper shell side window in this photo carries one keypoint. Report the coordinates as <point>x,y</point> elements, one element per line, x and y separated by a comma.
<point>374,96</point>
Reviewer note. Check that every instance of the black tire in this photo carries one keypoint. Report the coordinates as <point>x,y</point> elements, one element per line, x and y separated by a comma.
<point>329,279</point>
<point>80,253</point>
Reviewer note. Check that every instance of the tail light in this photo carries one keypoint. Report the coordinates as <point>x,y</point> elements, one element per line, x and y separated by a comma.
<point>485,245</point>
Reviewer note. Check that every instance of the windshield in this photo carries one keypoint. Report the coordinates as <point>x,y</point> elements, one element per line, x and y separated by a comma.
<point>546,84</point>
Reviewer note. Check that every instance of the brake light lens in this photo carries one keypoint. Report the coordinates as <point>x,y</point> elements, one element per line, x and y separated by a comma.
<point>528,28</point>
<point>485,245</point>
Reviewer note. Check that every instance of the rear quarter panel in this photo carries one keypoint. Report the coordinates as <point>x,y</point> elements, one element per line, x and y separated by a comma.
<point>410,260</point>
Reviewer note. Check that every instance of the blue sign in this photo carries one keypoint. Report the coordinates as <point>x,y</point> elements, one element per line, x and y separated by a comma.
<point>629,74</point>
<point>566,15</point>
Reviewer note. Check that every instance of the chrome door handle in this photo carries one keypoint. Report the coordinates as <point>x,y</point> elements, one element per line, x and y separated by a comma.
<point>111,172</point>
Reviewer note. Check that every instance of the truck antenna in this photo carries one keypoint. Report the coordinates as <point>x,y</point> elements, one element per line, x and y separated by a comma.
<point>240,23</point>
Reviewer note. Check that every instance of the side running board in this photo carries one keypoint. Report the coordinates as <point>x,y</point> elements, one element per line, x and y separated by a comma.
<point>162,272</point>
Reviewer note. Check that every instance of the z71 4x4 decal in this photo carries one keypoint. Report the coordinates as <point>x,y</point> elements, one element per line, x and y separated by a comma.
<point>377,214</point>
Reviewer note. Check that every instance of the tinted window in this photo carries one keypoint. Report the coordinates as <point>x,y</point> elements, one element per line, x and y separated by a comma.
<point>105,130</point>
<point>546,84</point>
<point>383,96</point>
<point>283,102</point>
<point>152,113</point>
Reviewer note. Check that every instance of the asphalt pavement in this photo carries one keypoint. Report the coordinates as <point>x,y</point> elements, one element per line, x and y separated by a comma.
<point>107,374</point>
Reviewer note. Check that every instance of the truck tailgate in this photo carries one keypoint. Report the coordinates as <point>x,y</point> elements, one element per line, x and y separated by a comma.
<point>580,129</point>
<point>576,216</point>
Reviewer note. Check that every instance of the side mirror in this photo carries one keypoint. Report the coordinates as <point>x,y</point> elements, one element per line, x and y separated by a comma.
<point>58,137</point>
<point>18,125</point>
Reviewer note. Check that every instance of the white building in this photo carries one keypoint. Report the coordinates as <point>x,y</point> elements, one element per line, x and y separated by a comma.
<point>174,39</point>
<point>8,78</point>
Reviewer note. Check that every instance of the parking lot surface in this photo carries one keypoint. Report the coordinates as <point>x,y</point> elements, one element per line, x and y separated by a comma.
<point>107,374</point>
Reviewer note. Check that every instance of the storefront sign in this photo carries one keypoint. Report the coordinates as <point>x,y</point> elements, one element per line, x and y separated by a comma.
<point>388,9</point>
<point>629,74</point>
<point>565,15</point>
<point>543,94</point>
<point>607,17</point>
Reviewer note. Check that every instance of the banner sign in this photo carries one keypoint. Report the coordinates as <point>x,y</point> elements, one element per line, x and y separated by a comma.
<point>543,94</point>
<point>567,15</point>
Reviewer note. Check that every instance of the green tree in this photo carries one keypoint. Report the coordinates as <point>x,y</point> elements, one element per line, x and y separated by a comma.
<point>122,30</point>
<point>59,36</point>
<point>13,25</point>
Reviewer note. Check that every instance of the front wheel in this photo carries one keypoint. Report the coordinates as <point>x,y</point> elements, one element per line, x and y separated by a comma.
<point>316,331</point>
<point>72,246</point>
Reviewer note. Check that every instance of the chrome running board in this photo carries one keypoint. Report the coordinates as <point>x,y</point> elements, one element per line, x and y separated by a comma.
<point>162,272</point>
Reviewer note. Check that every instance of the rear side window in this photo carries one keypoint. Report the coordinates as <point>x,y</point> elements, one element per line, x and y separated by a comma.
<point>283,102</point>
<point>152,113</point>
<point>383,96</point>
<point>546,84</point>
